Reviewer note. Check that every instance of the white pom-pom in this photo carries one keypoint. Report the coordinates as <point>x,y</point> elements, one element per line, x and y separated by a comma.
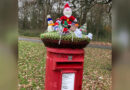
<point>48,16</point>
<point>75,20</point>
<point>90,36</point>
<point>78,33</point>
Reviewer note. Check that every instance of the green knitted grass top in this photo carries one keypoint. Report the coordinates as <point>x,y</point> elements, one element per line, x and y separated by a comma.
<point>56,36</point>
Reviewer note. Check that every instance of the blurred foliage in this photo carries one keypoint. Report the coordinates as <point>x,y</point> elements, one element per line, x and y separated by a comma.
<point>30,33</point>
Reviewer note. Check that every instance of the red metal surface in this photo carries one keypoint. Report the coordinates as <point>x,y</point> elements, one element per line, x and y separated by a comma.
<point>61,61</point>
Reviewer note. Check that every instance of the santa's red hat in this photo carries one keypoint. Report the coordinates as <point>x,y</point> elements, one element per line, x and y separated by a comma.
<point>66,6</point>
<point>56,24</point>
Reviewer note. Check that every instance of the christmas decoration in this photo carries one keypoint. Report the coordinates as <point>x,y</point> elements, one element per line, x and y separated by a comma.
<point>65,25</point>
<point>50,24</point>
<point>68,16</point>
<point>78,33</point>
<point>58,20</point>
<point>51,39</point>
<point>73,28</point>
<point>56,26</point>
<point>84,28</point>
<point>65,32</point>
<point>90,36</point>
<point>76,25</point>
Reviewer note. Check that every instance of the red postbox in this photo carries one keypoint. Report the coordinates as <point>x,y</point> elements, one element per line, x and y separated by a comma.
<point>64,69</point>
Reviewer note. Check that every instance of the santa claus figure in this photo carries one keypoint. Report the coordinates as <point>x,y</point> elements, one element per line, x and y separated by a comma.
<point>68,15</point>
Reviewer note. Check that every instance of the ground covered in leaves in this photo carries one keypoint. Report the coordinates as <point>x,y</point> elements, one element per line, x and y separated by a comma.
<point>31,67</point>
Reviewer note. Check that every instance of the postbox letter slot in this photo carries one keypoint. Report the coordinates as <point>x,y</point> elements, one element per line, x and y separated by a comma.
<point>69,65</point>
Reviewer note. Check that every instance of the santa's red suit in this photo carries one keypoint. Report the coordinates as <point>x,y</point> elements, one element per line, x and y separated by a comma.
<point>69,20</point>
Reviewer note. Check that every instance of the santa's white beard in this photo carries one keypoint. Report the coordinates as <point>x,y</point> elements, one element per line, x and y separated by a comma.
<point>67,13</point>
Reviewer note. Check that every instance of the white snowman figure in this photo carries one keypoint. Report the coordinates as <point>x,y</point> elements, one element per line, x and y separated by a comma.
<point>50,24</point>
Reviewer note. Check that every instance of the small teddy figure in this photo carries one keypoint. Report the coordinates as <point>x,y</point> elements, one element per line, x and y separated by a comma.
<point>56,26</point>
<point>74,27</point>
<point>50,24</point>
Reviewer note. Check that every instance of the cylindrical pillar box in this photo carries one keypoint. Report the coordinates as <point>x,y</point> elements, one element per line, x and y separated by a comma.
<point>64,69</point>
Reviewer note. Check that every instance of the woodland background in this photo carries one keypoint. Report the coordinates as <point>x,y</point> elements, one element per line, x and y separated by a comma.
<point>96,13</point>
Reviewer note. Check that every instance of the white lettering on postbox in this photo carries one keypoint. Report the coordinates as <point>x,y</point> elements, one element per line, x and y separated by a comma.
<point>68,81</point>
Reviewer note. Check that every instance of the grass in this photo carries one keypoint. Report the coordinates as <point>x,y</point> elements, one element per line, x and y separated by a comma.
<point>31,67</point>
<point>30,33</point>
